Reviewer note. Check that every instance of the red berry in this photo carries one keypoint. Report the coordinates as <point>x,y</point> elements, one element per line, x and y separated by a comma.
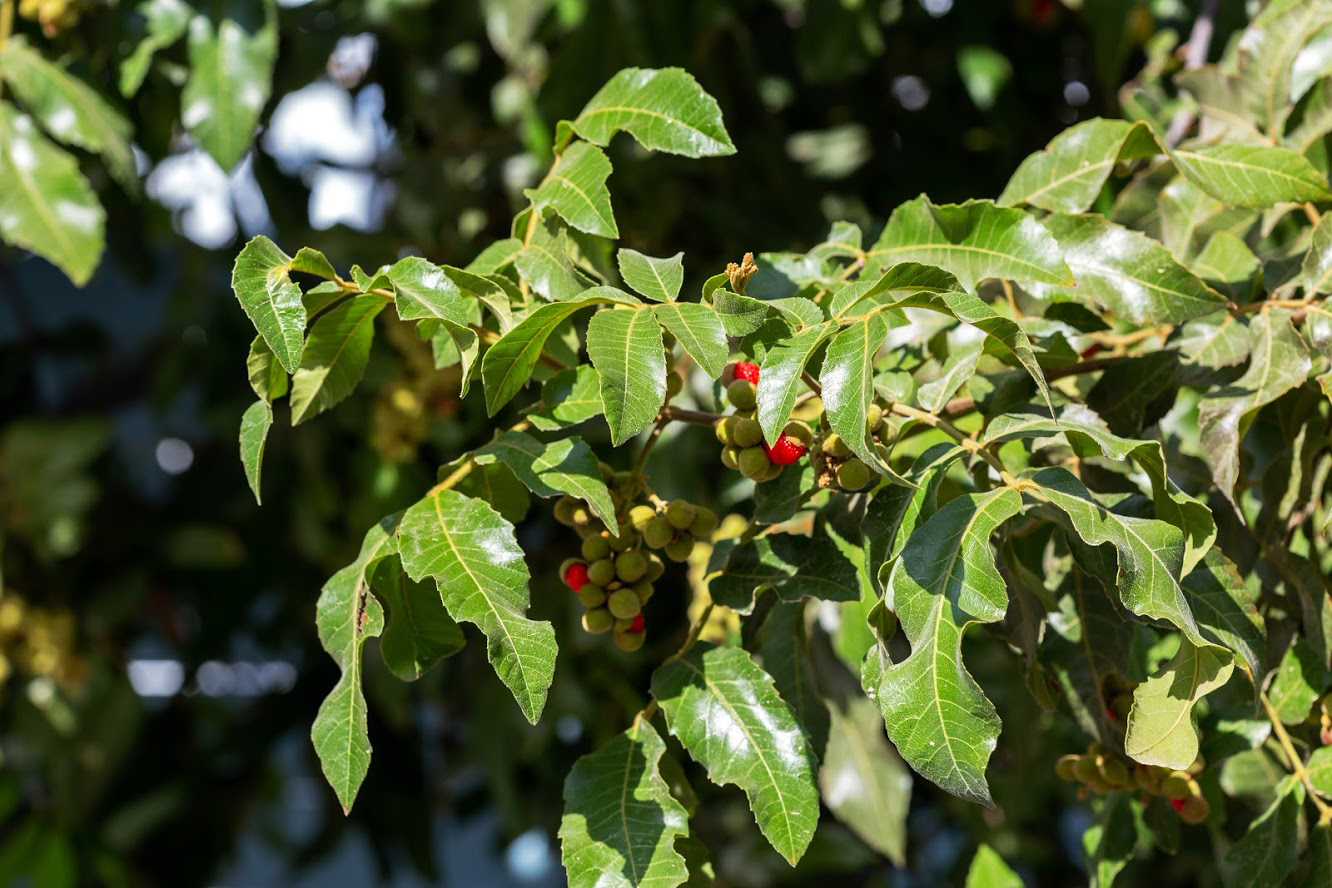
<point>785,451</point>
<point>637,624</point>
<point>1090,350</point>
<point>747,370</point>
<point>1177,804</point>
<point>576,576</point>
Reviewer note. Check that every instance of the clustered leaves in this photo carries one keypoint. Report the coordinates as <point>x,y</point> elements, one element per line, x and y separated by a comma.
<point>1101,436</point>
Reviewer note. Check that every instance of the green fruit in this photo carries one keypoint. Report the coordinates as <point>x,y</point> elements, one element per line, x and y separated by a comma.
<point>658,533</point>
<point>747,433</point>
<point>774,471</point>
<point>643,589</point>
<point>592,595</point>
<point>580,517</point>
<point>630,566</point>
<point>641,516</point>
<point>629,641</point>
<point>1064,767</point>
<point>873,417</point>
<point>680,514</point>
<point>598,620</point>
<point>601,572</point>
<point>1085,770</point>
<point>655,568</point>
<point>705,522</point>
<point>674,384</point>
<point>680,549</point>
<point>1114,773</point>
<point>595,548</point>
<point>754,463</point>
<point>854,474</point>
<point>834,446</point>
<point>624,604</point>
<point>1178,786</point>
<point>799,430</point>
<point>731,457</point>
<point>626,539</point>
<point>564,509</point>
<point>1194,810</point>
<point>742,394</point>
<point>725,429</point>
<point>887,433</point>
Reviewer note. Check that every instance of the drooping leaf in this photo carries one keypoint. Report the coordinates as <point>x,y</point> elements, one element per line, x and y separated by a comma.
<point>461,345</point>
<point>231,72</point>
<point>267,377</point>
<point>254,426</point>
<point>626,348</point>
<point>471,553</point>
<point>664,109</point>
<point>549,468</point>
<point>780,377</point>
<point>847,381</point>
<point>956,370</point>
<point>575,188</point>
<point>730,719</point>
<point>700,332</point>
<point>937,716</point>
<point>272,301</point>
<point>335,356</point>
<point>545,264</point>
<point>1162,729</point>
<point>424,291</point>
<point>972,241</point>
<point>620,820</point>
<point>795,566</point>
<point>419,632</point>
<point>1227,612</point>
<point>1068,174</point>
<point>346,615</point>
<point>46,205</point>
<point>988,870</point>
<point>862,780</point>
<point>1268,851</point>
<point>1254,176</point>
<point>657,279</point>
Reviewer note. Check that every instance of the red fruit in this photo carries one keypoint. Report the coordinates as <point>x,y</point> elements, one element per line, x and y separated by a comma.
<point>1090,350</point>
<point>1177,804</point>
<point>637,624</point>
<point>576,576</point>
<point>747,370</point>
<point>785,451</point>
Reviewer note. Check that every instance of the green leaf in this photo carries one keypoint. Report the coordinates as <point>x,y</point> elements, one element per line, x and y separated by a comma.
<point>1108,843</point>
<point>1320,772</point>
<point>730,719</point>
<point>988,870</point>
<point>452,343</point>
<point>937,716</point>
<point>254,426</point>
<point>424,291</point>
<point>863,781</point>
<point>568,398</point>
<point>778,500</point>
<point>69,110</point>
<point>700,331</point>
<point>551,468</point>
<point>1253,176</point>
<point>847,380</point>
<point>783,652</point>
<point>471,553</point>
<point>1068,174</point>
<point>1268,851</point>
<point>1278,362</point>
<point>346,615</point>
<point>780,377</point>
<point>335,356</point>
<point>664,109</point>
<point>625,346</point>
<point>657,279</point>
<point>231,70</point>
<point>1316,271</point>
<point>1227,263</point>
<point>1162,729</point>
<point>46,205</point>
<point>575,188</point>
<point>1127,274</point>
<point>1215,341</point>
<point>419,632</point>
<point>166,21</point>
<point>1227,612</point>
<point>1319,872</point>
<point>267,377</point>
<point>545,264</point>
<point>795,566</point>
<point>909,277</point>
<point>262,283</point>
<point>1298,682</point>
<point>620,820</point>
<point>972,241</point>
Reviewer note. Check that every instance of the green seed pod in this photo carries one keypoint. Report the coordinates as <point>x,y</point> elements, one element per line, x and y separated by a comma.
<point>680,514</point>
<point>623,604</point>
<point>742,394</point>
<point>1064,768</point>
<point>564,509</point>
<point>748,432</point>
<point>601,572</point>
<point>873,417</point>
<point>595,548</point>
<point>598,620</point>
<point>643,589</point>
<point>641,516</point>
<point>834,446</point>
<point>799,430</point>
<point>754,463</point>
<point>630,566</point>
<point>725,429</point>
<point>705,522</point>
<point>680,548</point>
<point>592,595</point>
<point>658,533</point>
<point>854,474</point>
<point>1194,810</point>
<point>731,457</point>
<point>674,385</point>
<point>629,641</point>
<point>655,568</point>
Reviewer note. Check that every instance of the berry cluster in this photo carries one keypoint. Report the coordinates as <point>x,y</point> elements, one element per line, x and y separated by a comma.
<point>745,448</point>
<point>837,465</point>
<point>1102,773</point>
<point>53,15</point>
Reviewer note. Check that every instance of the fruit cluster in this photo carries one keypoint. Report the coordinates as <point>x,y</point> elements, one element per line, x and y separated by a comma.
<point>834,462</point>
<point>745,449</point>
<point>53,15</point>
<point>38,642</point>
<point>1101,772</point>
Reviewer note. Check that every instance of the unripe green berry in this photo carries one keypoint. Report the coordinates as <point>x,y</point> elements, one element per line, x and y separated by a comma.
<point>626,539</point>
<point>674,384</point>
<point>1178,785</point>
<point>629,641</point>
<point>564,509</point>
<point>1114,773</point>
<point>623,604</point>
<point>834,446</point>
<point>630,566</point>
<point>643,589</point>
<point>887,432</point>
<point>705,522</point>
<point>854,474</point>
<point>742,394</point>
<point>655,568</point>
<point>773,472</point>
<point>680,514</point>
<point>598,620</point>
<point>1064,767</point>
<point>754,463</point>
<point>1085,770</point>
<point>799,430</point>
<point>641,516</point>
<point>595,548</point>
<point>725,429</point>
<point>747,433</point>
<point>592,595</point>
<point>601,572</point>
<point>680,548</point>
<point>658,533</point>
<point>873,416</point>
<point>731,457</point>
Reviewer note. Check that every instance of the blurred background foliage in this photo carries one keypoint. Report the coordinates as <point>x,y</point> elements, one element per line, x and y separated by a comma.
<point>159,657</point>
